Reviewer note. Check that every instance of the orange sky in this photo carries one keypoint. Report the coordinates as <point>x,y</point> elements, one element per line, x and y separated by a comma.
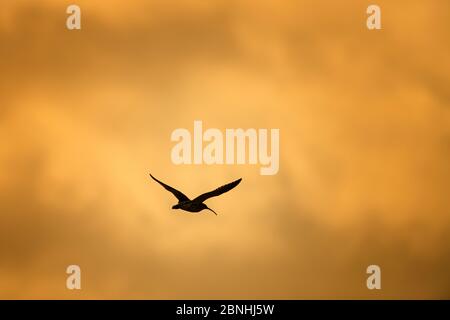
<point>364,149</point>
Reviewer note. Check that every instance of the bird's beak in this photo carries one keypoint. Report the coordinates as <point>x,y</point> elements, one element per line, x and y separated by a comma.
<point>211,210</point>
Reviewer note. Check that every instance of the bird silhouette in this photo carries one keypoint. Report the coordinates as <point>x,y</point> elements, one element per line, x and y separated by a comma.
<point>196,205</point>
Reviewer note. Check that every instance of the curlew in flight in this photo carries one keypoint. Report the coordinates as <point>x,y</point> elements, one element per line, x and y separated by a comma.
<point>196,205</point>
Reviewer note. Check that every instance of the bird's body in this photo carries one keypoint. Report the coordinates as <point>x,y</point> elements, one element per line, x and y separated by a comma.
<point>196,205</point>
<point>190,206</point>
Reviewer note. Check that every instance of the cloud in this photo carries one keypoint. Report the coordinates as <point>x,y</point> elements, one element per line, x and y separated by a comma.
<point>363,174</point>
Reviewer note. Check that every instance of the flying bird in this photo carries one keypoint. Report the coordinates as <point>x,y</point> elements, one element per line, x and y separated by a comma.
<point>196,205</point>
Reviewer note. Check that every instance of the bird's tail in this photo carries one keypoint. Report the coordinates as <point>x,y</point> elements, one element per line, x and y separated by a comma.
<point>211,210</point>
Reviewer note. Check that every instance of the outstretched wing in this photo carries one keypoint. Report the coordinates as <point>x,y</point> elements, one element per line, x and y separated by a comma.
<point>178,194</point>
<point>218,191</point>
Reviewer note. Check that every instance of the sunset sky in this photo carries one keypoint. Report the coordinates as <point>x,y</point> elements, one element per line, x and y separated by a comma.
<point>364,175</point>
